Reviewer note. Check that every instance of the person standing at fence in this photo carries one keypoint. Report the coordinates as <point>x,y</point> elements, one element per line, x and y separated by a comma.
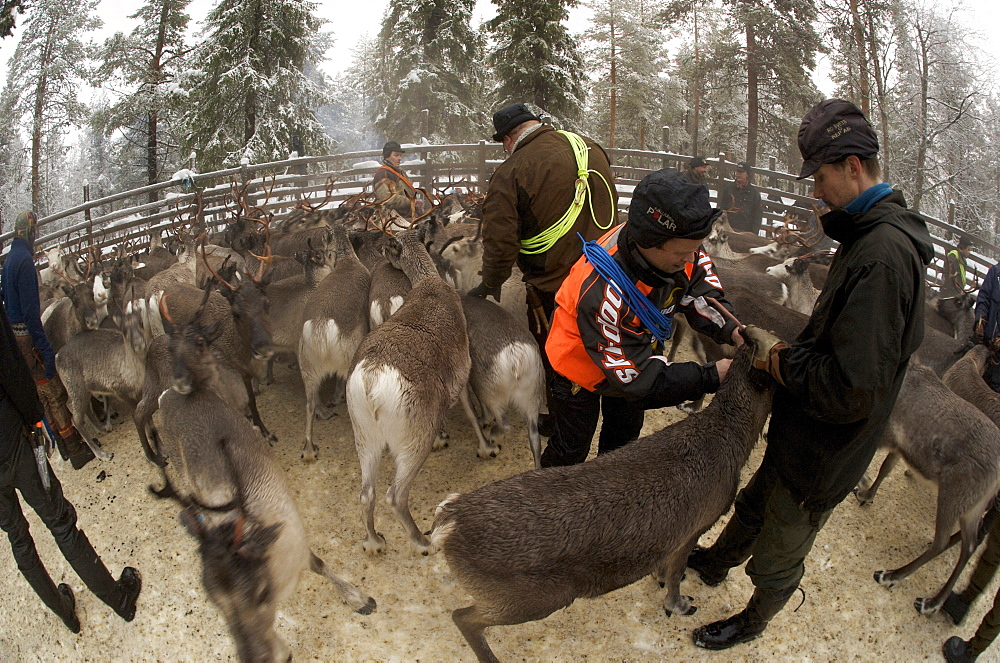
<point>392,187</point>
<point>956,277</point>
<point>740,200</point>
<point>554,186</point>
<point>987,327</point>
<point>696,171</point>
<point>24,468</point>
<point>837,382</point>
<point>19,287</point>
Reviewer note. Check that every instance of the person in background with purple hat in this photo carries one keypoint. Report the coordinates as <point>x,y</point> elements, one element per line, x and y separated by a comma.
<point>392,187</point>
<point>554,186</point>
<point>604,357</point>
<point>837,382</point>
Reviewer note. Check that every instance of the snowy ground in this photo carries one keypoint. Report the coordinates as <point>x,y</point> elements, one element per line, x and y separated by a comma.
<point>846,616</point>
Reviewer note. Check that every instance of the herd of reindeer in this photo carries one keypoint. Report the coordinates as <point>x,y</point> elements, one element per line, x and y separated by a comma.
<point>372,312</point>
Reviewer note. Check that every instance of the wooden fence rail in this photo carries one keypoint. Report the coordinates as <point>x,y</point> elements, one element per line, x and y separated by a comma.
<point>128,216</point>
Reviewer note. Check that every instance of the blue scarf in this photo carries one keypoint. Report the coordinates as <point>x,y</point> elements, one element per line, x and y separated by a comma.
<point>866,200</point>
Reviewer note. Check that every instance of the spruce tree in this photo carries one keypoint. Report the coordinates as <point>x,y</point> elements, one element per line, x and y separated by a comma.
<point>249,92</point>
<point>145,65</point>
<point>49,65</point>
<point>535,59</point>
<point>429,58</point>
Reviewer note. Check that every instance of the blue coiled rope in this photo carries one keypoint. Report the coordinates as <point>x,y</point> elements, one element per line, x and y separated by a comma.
<point>651,317</point>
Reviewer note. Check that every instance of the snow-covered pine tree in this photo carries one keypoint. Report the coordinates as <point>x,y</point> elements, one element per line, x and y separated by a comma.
<point>535,59</point>
<point>144,66</point>
<point>626,59</point>
<point>429,58</point>
<point>248,90</point>
<point>49,65</point>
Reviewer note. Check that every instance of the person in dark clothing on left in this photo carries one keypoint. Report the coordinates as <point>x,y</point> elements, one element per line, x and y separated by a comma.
<point>25,470</point>
<point>19,286</point>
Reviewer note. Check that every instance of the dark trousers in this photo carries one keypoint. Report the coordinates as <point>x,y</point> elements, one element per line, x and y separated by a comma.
<point>20,472</point>
<point>986,569</point>
<point>775,530</point>
<point>574,416</point>
<point>541,305</point>
<point>992,376</point>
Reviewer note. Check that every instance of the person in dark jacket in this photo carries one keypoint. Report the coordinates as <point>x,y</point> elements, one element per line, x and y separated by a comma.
<point>22,466</point>
<point>603,354</point>
<point>741,201</point>
<point>988,320</point>
<point>19,286</point>
<point>839,379</point>
<point>696,171</point>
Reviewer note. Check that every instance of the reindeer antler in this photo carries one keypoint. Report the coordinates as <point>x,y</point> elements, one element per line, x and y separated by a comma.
<point>204,257</point>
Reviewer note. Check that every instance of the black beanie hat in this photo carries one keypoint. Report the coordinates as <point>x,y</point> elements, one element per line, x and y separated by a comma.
<point>666,206</point>
<point>390,147</point>
<point>508,117</point>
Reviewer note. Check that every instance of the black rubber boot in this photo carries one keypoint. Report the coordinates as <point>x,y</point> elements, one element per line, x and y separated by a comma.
<point>957,650</point>
<point>731,549</point>
<point>79,452</point>
<point>68,615</point>
<point>130,584</point>
<point>746,625</point>
<point>957,606</point>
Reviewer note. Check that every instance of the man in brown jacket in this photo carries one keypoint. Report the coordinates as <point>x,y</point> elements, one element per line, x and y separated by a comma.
<point>529,215</point>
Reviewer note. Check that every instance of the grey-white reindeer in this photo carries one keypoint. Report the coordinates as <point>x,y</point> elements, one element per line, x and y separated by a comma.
<point>407,373</point>
<point>950,442</point>
<point>532,544</point>
<point>251,538</point>
<point>103,362</point>
<point>794,273</point>
<point>506,368</point>
<point>334,322</point>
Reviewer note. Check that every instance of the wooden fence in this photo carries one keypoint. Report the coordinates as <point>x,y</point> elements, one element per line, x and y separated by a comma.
<point>128,216</point>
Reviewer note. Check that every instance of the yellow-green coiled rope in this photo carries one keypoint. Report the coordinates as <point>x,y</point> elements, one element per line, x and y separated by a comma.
<point>544,240</point>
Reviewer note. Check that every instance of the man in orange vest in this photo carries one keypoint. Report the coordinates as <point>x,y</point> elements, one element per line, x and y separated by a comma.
<point>392,187</point>
<point>604,357</point>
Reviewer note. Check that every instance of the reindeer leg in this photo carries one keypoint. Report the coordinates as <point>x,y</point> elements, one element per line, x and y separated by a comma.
<point>969,528</point>
<point>311,384</point>
<point>369,458</point>
<point>486,450</point>
<point>943,526</point>
<point>408,464</point>
<point>349,594</point>
<point>470,622</point>
<point>254,414</point>
<point>867,488</point>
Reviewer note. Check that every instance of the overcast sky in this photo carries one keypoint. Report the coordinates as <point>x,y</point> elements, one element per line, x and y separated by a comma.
<point>349,21</point>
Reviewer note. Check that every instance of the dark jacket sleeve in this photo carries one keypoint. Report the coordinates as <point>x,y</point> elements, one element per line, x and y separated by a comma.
<point>755,212</point>
<point>986,302</point>
<point>701,314</point>
<point>501,228</point>
<point>15,378</point>
<point>27,293</point>
<point>842,386</point>
<point>631,369</point>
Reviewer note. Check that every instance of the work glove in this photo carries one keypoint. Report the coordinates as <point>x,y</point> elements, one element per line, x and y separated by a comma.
<point>766,348</point>
<point>483,291</point>
<point>979,332</point>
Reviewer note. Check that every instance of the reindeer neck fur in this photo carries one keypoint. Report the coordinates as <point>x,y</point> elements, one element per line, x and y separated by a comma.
<point>415,262</point>
<point>732,422</point>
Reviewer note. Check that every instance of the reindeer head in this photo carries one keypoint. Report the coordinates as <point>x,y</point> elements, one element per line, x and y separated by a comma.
<point>193,363</point>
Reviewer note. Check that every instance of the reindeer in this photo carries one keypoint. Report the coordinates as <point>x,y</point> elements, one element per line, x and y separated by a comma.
<point>529,545</point>
<point>406,375</point>
<point>250,536</point>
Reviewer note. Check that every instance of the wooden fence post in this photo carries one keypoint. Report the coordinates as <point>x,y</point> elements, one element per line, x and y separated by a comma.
<point>483,175</point>
<point>86,213</point>
<point>666,144</point>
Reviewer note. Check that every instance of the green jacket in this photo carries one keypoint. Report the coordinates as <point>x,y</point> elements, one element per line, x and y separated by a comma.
<point>845,369</point>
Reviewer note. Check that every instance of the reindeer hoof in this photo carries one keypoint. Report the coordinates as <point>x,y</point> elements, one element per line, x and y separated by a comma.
<point>884,578</point>
<point>374,544</point>
<point>862,497</point>
<point>367,608</point>
<point>309,453</point>
<point>681,609</point>
<point>926,606</point>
